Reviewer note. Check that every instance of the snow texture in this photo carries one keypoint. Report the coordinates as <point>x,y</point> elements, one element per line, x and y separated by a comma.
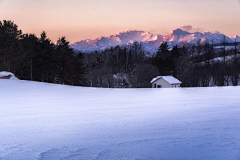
<point>47,121</point>
<point>169,79</point>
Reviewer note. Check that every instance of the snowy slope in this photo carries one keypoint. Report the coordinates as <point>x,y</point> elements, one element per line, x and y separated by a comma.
<point>151,42</point>
<point>47,121</point>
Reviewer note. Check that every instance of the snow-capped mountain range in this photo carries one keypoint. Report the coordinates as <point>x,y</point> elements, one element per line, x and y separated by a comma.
<point>151,42</point>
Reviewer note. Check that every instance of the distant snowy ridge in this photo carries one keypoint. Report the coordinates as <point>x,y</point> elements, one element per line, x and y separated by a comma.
<point>151,42</point>
<point>121,38</point>
<point>236,37</point>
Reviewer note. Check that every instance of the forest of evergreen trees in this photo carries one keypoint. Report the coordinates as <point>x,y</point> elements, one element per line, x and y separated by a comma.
<point>38,59</point>
<point>128,66</point>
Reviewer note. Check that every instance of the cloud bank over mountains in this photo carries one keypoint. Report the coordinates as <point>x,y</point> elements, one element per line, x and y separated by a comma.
<point>190,29</point>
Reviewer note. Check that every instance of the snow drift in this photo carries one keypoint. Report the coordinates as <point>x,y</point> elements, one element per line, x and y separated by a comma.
<point>48,121</point>
<point>7,75</point>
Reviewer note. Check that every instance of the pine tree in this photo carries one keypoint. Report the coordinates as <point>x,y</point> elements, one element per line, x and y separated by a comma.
<point>9,45</point>
<point>30,48</point>
<point>163,50</point>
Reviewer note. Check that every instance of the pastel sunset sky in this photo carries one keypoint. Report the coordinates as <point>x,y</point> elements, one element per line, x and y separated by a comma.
<point>89,19</point>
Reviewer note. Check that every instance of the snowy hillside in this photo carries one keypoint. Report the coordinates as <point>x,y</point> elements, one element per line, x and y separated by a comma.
<point>151,42</point>
<point>47,121</point>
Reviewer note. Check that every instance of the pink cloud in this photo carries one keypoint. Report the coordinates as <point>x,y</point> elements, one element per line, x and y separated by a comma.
<point>190,29</point>
<point>187,27</point>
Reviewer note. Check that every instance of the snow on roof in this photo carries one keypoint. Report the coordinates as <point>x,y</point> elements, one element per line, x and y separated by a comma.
<point>5,74</point>
<point>169,79</point>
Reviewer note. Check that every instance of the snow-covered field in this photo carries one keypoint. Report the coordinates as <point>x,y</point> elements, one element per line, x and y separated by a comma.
<point>47,121</point>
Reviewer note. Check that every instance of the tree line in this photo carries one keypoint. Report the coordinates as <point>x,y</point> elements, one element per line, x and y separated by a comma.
<point>120,67</point>
<point>38,59</point>
<point>127,66</point>
<point>202,65</point>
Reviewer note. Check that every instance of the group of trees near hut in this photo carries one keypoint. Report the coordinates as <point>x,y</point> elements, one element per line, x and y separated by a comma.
<point>120,67</point>
<point>196,65</point>
<point>127,66</point>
